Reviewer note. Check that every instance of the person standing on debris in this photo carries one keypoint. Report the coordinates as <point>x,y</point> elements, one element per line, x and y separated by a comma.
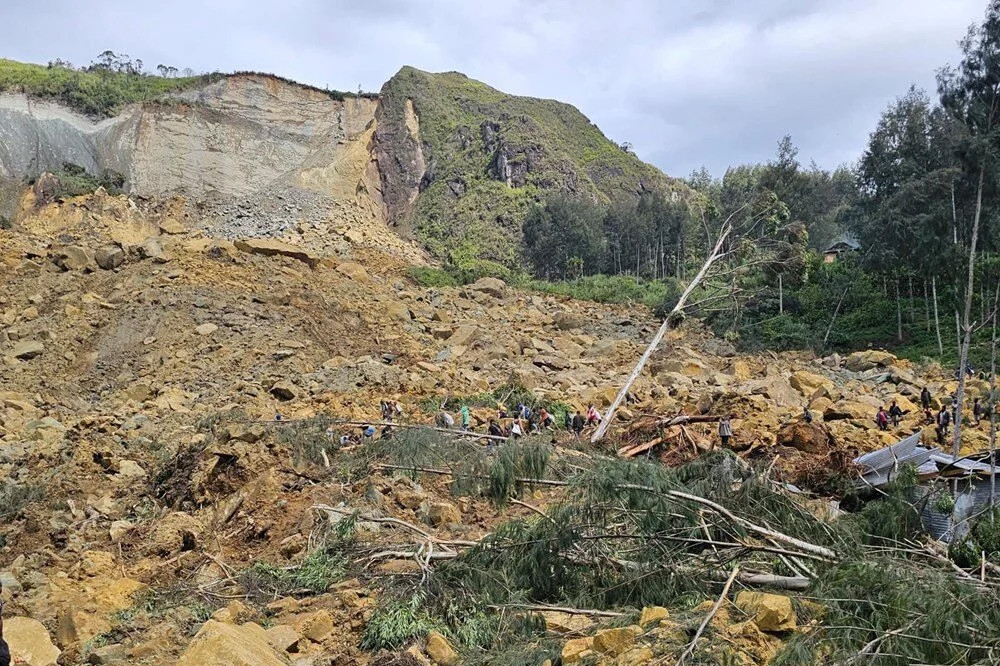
<point>725,429</point>
<point>593,416</point>
<point>954,409</point>
<point>977,411</point>
<point>466,418</point>
<point>515,429</point>
<point>925,399</point>
<point>943,421</point>
<point>807,415</point>
<point>4,648</point>
<point>895,413</point>
<point>494,429</point>
<point>567,420</point>
<point>501,410</point>
<point>545,419</point>
<point>369,431</point>
<point>882,419</point>
<point>578,424</point>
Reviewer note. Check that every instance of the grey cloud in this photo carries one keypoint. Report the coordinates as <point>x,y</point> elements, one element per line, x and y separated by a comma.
<point>688,82</point>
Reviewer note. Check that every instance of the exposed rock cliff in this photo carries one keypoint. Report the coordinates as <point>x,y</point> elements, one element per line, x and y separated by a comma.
<point>447,159</point>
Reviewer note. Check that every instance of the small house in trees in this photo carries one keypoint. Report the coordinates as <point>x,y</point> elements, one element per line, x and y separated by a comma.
<point>831,253</point>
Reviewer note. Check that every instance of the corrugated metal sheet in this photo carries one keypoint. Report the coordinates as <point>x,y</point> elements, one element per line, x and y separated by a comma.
<point>887,457</point>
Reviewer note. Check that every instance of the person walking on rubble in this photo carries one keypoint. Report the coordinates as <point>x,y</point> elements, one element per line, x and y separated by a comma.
<point>925,399</point>
<point>494,429</point>
<point>977,411</point>
<point>578,424</point>
<point>545,419</point>
<point>725,429</point>
<point>882,419</point>
<point>895,413</point>
<point>943,421</point>
<point>466,418</point>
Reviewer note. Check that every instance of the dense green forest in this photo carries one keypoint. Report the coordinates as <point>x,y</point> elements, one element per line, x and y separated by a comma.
<point>919,203</point>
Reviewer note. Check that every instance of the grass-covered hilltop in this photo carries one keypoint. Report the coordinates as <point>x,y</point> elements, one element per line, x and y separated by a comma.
<point>99,90</point>
<point>480,158</point>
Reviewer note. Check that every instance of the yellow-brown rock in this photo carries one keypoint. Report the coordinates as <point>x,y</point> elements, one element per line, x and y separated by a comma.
<point>576,649</point>
<point>440,650</point>
<point>770,612</point>
<point>218,644</point>
<point>29,642</point>
<point>614,642</point>
<point>652,615</point>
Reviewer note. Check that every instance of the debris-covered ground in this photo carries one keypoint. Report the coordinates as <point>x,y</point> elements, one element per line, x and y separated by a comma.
<point>153,511</point>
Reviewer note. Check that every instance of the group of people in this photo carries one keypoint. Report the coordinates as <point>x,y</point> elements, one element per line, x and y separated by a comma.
<point>523,420</point>
<point>894,415</point>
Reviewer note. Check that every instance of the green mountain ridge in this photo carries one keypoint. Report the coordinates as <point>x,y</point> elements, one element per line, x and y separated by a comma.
<point>486,157</point>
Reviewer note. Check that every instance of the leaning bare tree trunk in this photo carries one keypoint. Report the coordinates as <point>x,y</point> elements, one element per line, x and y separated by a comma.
<point>967,322</point>
<point>991,403</point>
<point>836,311</point>
<point>712,258</point>
<point>937,322</point>
<point>899,315</point>
<point>913,315</point>
<point>781,296</point>
<point>927,309</point>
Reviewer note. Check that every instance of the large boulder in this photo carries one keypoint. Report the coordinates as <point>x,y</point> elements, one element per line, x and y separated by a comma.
<point>806,437</point>
<point>490,286</point>
<point>807,383</point>
<point>770,612</point>
<point>270,248</point>
<point>218,644</point>
<point>849,410</point>
<point>27,349</point>
<point>354,271</point>
<point>109,257</point>
<point>777,390</point>
<point>866,360</point>
<point>29,642</point>
<point>72,258</point>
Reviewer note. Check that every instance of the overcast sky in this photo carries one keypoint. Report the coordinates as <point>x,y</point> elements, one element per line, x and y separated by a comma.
<point>687,82</point>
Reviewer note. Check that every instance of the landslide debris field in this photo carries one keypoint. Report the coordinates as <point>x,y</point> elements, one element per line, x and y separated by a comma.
<point>155,513</point>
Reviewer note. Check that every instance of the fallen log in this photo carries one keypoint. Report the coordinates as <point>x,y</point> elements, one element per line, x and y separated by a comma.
<point>560,609</point>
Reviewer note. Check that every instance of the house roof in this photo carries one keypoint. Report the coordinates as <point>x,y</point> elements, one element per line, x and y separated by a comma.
<point>842,245</point>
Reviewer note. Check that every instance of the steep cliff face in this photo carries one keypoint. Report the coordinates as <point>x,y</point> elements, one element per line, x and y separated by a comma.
<point>462,162</point>
<point>260,155</point>
<point>233,137</point>
<point>440,157</point>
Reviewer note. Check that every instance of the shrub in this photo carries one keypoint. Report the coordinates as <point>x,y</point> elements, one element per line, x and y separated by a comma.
<point>74,181</point>
<point>398,622</point>
<point>321,569</point>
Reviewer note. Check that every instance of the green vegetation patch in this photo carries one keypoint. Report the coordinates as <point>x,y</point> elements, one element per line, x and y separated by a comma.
<point>494,155</point>
<point>96,91</point>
